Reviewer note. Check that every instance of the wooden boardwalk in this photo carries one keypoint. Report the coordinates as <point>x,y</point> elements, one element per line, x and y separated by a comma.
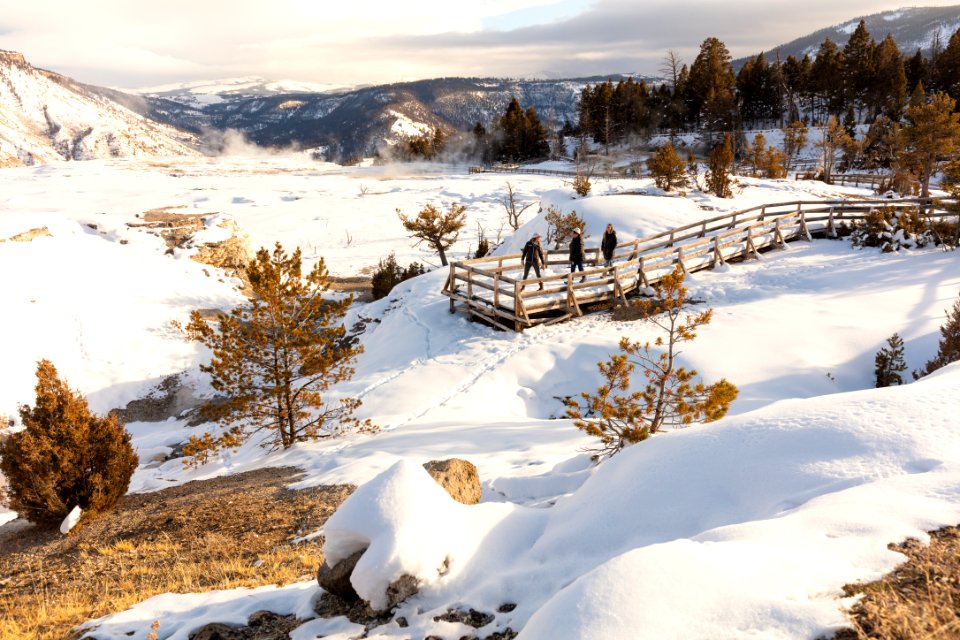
<point>492,288</point>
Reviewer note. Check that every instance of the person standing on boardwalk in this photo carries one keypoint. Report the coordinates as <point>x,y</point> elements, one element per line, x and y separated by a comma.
<point>608,245</point>
<point>576,253</point>
<point>532,256</point>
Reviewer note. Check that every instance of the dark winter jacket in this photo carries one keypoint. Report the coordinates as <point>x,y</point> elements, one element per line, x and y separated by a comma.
<point>608,244</point>
<point>576,249</point>
<point>532,253</point>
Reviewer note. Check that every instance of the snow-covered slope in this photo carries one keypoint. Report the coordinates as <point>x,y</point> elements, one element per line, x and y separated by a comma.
<point>745,528</point>
<point>45,117</point>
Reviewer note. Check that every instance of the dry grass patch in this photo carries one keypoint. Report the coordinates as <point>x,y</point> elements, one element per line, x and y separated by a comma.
<point>918,599</point>
<point>205,535</point>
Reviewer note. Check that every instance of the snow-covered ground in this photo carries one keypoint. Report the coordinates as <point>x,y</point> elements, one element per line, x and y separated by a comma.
<point>747,527</point>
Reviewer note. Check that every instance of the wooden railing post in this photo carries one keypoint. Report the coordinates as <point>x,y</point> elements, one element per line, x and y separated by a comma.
<point>717,254</point>
<point>452,284</point>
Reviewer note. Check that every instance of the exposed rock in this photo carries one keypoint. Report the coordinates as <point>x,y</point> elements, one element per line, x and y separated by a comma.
<point>168,399</point>
<point>28,236</point>
<point>506,634</point>
<point>262,625</point>
<point>336,579</point>
<point>177,231</point>
<point>506,607</point>
<point>217,631</point>
<point>401,589</point>
<point>359,612</point>
<point>458,477</point>
<point>471,617</point>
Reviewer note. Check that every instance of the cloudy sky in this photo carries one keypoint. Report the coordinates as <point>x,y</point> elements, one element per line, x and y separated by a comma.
<point>126,43</point>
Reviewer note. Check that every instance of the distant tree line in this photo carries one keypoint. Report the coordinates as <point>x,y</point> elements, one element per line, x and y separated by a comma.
<point>855,84</point>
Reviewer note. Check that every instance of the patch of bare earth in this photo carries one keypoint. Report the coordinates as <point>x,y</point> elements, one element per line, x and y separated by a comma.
<point>235,531</point>
<point>918,599</point>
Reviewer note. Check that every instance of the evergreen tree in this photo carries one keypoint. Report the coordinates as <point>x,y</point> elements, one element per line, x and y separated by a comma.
<point>827,82</point>
<point>949,348</point>
<point>667,169</point>
<point>712,84</point>
<point>389,274</point>
<point>858,66</point>
<point>719,167</point>
<point>671,396</point>
<point>889,363</point>
<point>275,357</point>
<point>931,136</point>
<point>521,134</point>
<point>65,457</point>
<point>438,229</point>
<point>948,68</point>
<point>917,71</point>
<point>888,89</point>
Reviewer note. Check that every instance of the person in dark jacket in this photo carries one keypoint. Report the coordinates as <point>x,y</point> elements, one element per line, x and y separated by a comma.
<point>608,245</point>
<point>576,253</point>
<point>532,256</point>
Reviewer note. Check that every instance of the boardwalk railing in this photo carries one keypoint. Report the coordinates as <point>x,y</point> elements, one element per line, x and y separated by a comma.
<point>511,168</point>
<point>493,288</point>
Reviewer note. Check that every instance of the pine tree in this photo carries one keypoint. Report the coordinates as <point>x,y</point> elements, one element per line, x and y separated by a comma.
<point>389,274</point>
<point>949,348</point>
<point>888,89</point>
<point>888,364</point>
<point>712,84</point>
<point>718,169</point>
<point>275,357</point>
<point>65,457</point>
<point>858,66</point>
<point>671,396</point>
<point>667,169</point>
<point>438,229</point>
<point>931,136</point>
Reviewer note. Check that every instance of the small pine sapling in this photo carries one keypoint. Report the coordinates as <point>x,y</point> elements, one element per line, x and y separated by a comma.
<point>65,456</point>
<point>671,395</point>
<point>889,363</point>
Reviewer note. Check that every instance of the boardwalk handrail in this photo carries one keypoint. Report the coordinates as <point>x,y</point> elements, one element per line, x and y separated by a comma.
<point>644,261</point>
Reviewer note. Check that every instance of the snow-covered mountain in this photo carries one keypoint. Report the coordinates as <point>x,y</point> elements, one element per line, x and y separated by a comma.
<point>912,28</point>
<point>45,117</point>
<point>357,122</point>
<point>205,92</point>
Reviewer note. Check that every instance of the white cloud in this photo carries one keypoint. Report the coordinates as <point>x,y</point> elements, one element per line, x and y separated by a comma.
<point>117,42</point>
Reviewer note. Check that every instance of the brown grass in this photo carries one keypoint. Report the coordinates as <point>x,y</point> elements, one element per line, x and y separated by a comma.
<point>205,535</point>
<point>918,599</point>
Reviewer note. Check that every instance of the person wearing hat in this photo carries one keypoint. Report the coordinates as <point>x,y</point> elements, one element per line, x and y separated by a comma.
<point>532,256</point>
<point>576,253</point>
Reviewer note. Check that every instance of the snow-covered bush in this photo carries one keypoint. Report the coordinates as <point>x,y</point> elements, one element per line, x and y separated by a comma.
<point>65,457</point>
<point>892,230</point>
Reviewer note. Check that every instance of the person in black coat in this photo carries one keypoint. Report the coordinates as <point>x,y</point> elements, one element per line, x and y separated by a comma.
<point>532,256</point>
<point>608,245</point>
<point>576,253</point>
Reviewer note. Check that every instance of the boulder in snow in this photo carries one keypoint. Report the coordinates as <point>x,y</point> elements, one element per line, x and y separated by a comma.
<point>336,579</point>
<point>458,477</point>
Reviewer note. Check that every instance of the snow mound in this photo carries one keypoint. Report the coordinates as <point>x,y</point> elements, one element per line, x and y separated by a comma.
<point>410,526</point>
